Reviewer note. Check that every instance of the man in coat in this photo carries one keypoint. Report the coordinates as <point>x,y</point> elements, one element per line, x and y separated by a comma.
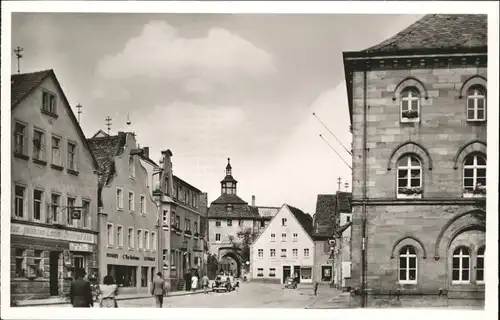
<point>158,289</point>
<point>80,293</point>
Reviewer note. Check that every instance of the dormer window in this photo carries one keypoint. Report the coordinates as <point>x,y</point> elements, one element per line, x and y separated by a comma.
<point>229,208</point>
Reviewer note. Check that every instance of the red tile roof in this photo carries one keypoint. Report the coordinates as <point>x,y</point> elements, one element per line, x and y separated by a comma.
<point>438,31</point>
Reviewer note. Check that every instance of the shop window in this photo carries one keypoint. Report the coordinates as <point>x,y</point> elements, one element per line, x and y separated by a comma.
<point>144,277</point>
<point>306,273</point>
<point>38,259</point>
<point>20,255</point>
<point>126,276</point>
<point>326,273</point>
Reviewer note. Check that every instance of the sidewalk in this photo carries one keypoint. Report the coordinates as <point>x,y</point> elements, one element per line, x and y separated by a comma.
<point>329,298</point>
<point>129,296</point>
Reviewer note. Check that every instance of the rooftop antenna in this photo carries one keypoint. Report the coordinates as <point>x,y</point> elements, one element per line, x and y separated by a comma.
<point>339,182</point>
<point>108,123</point>
<point>79,107</point>
<point>335,152</point>
<point>324,125</point>
<point>18,51</point>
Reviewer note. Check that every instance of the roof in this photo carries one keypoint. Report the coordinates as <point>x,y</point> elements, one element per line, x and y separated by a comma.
<point>324,219</point>
<point>105,149</point>
<point>304,219</point>
<point>184,182</point>
<point>228,199</point>
<point>100,134</point>
<point>438,31</point>
<point>238,211</point>
<point>23,84</point>
<point>344,202</point>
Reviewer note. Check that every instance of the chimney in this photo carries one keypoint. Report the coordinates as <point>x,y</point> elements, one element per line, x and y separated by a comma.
<point>146,152</point>
<point>253,201</point>
<point>167,172</point>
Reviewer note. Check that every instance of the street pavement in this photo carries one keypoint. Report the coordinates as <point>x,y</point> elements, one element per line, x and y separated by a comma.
<point>248,295</point>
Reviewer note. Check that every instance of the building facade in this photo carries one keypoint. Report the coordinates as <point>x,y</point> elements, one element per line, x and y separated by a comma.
<point>233,225</point>
<point>54,225</point>
<point>181,212</point>
<point>285,248</point>
<point>418,109</point>
<point>127,214</point>
<point>324,224</point>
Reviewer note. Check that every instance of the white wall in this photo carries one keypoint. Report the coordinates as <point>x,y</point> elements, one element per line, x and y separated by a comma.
<point>264,242</point>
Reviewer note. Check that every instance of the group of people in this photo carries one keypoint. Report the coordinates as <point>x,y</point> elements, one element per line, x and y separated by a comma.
<point>82,296</point>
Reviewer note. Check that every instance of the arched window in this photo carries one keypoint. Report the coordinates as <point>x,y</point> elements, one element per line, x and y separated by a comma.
<point>461,265</point>
<point>407,265</point>
<point>480,265</point>
<point>474,176</point>
<point>476,104</point>
<point>409,177</point>
<point>410,105</point>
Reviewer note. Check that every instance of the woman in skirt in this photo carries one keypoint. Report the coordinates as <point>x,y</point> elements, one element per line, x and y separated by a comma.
<point>109,290</point>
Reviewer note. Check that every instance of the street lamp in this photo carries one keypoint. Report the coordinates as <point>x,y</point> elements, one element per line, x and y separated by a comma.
<point>157,196</point>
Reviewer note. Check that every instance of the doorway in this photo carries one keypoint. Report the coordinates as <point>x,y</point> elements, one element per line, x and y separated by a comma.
<point>53,271</point>
<point>286,272</point>
<point>296,273</point>
<point>326,273</point>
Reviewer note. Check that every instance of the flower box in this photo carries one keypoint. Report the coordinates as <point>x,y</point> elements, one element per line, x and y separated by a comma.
<point>409,193</point>
<point>478,192</point>
<point>410,116</point>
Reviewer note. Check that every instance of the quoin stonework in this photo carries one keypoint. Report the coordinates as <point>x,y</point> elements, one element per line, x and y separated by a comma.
<point>418,109</point>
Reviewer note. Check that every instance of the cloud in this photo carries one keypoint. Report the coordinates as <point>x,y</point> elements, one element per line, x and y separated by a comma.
<point>160,52</point>
<point>197,85</point>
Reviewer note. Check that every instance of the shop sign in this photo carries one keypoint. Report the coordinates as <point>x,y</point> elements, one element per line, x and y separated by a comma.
<point>82,247</point>
<point>130,257</point>
<point>112,255</point>
<point>149,258</point>
<point>50,233</point>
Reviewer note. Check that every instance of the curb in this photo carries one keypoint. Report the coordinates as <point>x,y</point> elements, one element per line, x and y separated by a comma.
<point>117,299</point>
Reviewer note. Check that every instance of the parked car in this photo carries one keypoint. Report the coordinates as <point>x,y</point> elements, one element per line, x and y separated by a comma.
<point>290,283</point>
<point>225,284</point>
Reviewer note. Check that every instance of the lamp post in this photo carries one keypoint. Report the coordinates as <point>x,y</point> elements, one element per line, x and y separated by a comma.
<point>157,196</point>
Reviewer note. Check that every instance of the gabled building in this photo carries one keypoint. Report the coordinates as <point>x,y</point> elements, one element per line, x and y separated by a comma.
<point>285,248</point>
<point>418,108</point>
<point>229,219</point>
<point>54,225</point>
<point>127,213</point>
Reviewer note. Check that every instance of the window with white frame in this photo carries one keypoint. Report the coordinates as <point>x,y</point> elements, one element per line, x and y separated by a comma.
<point>131,166</point>
<point>260,253</point>
<point>283,237</point>
<point>409,177</point>
<point>37,205</point>
<point>110,235</point>
<point>154,244</point>
<point>49,102</point>
<point>461,265</point>
<point>119,235</point>
<point>20,138</point>
<point>306,252</point>
<point>143,204</point>
<point>260,272</point>
<point>272,272</point>
<point>19,203</point>
<point>56,151</point>
<point>295,252</point>
<point>72,156</point>
<point>476,104</point>
<point>147,243</point>
<point>130,238</point>
<point>283,222</point>
<point>410,105</point>
<point>295,237</point>
<point>407,265</point>
<point>283,253</point>
<point>70,204</point>
<point>119,198</point>
<point>272,253</point>
<point>273,237</point>
<point>131,201</point>
<point>38,145</point>
<point>140,239</point>
<point>217,237</point>
<point>480,265</point>
<point>474,175</point>
<point>55,204</point>
<point>86,217</point>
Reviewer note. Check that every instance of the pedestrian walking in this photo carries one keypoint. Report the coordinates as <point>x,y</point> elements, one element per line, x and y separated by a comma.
<point>158,289</point>
<point>316,284</point>
<point>194,282</point>
<point>80,293</point>
<point>109,291</point>
<point>205,282</point>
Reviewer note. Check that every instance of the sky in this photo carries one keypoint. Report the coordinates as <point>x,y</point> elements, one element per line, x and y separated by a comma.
<point>213,86</point>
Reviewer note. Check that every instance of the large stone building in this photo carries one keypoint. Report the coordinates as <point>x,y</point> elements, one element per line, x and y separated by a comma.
<point>417,104</point>
<point>54,190</point>
<point>127,213</point>
<point>285,249</point>
<point>232,221</point>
